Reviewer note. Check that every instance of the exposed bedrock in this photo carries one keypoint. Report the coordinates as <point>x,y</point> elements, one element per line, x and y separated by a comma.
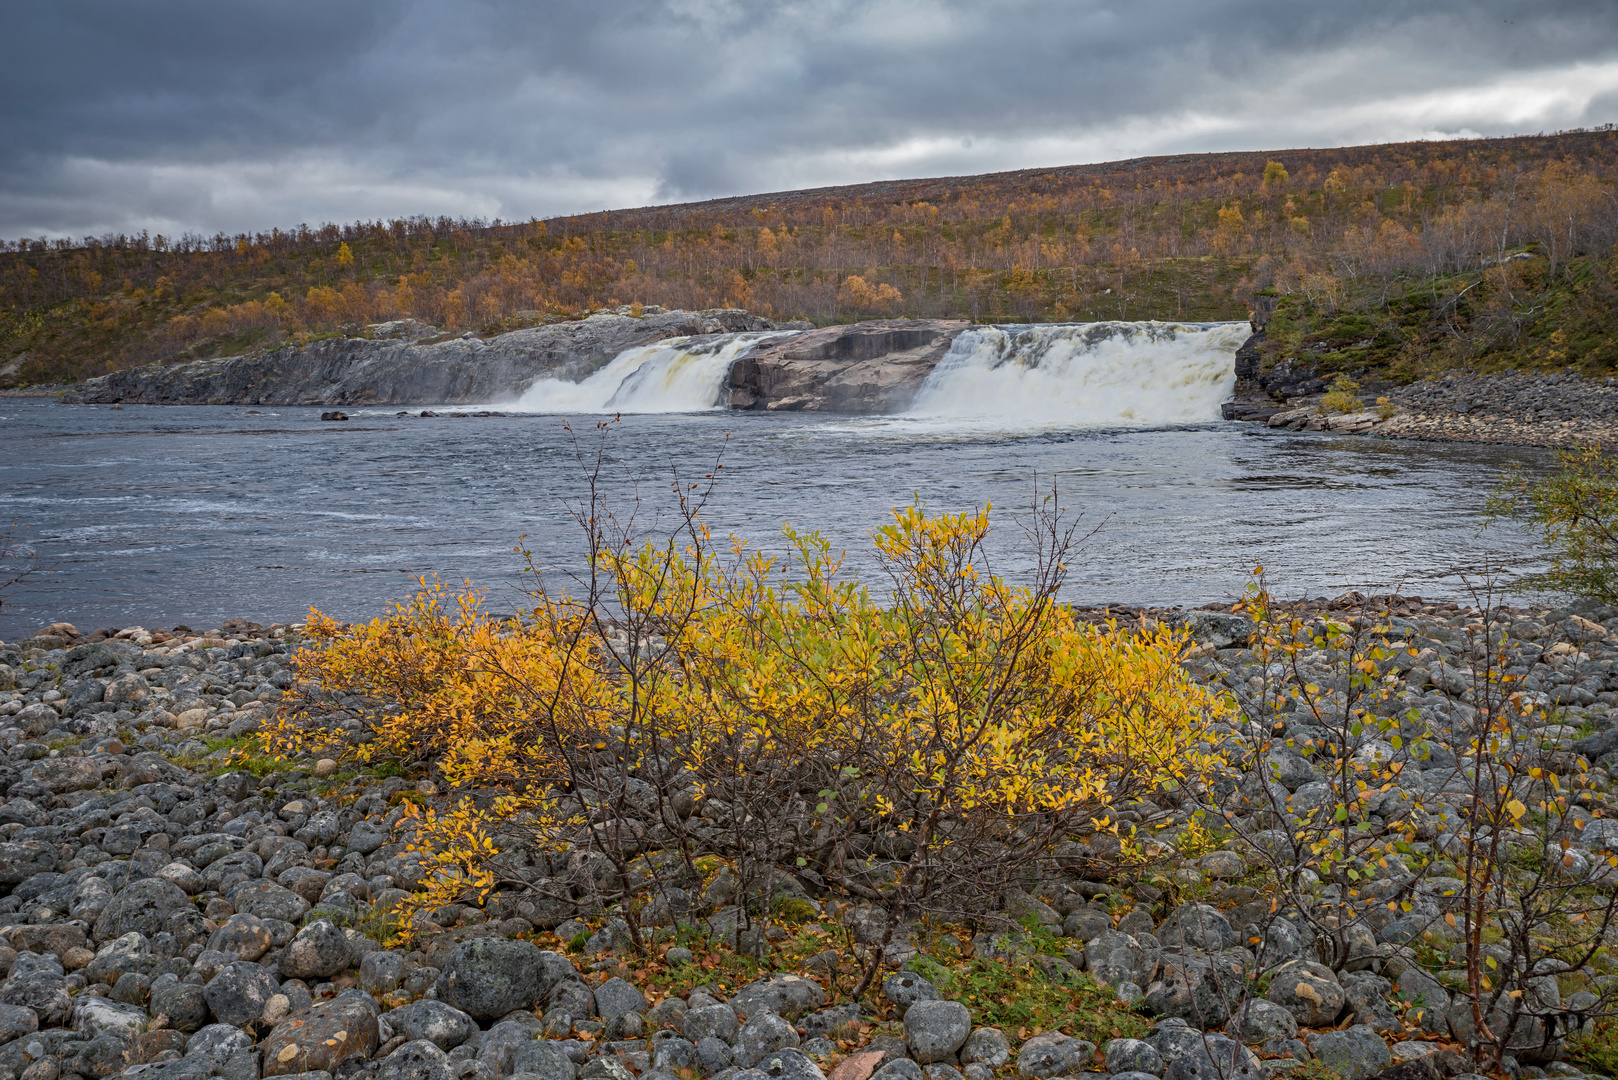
<point>363,371</point>
<point>869,367</point>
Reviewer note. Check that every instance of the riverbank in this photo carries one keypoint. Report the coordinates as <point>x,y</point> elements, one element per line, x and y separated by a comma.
<point>176,908</point>
<point>1508,409</point>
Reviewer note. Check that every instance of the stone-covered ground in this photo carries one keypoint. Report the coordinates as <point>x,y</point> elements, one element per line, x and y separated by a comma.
<point>170,914</point>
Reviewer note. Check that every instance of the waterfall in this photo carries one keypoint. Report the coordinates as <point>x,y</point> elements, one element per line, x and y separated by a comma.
<point>1135,374</point>
<point>674,375</point>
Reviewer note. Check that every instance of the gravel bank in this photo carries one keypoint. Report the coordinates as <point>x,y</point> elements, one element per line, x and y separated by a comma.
<point>165,917</point>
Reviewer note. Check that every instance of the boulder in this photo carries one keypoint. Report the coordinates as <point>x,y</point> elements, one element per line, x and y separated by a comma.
<point>1054,1054</point>
<point>935,1030</point>
<point>142,907</point>
<point>320,950</point>
<point>238,994</point>
<point>1309,991</point>
<point>433,1021</point>
<point>615,997</point>
<point>487,978</point>
<point>322,1037</point>
<point>787,996</point>
<point>1354,1053</point>
<point>417,1060</point>
<point>762,1035</point>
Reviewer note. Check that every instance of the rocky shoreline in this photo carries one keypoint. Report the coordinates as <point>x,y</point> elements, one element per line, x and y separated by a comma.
<point>168,914</point>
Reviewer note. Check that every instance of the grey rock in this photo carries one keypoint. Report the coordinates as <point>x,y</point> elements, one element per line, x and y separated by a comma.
<point>237,994</point>
<point>1309,991</point>
<point>1215,1057</point>
<point>269,901</point>
<point>417,1060</point>
<point>1354,1053</point>
<point>713,1055</point>
<point>673,1052</point>
<point>142,907</point>
<point>1259,1021</point>
<point>366,836</point>
<point>1196,987</point>
<point>217,1042</point>
<point>16,1021</point>
<point>905,988</point>
<point>490,977</point>
<point>94,1015</point>
<point>786,995</point>
<point>986,1046</point>
<point>131,952</point>
<point>43,991</point>
<point>935,1030</point>
<point>869,367</point>
<point>433,1021</point>
<point>309,1040</point>
<point>499,1045</point>
<point>243,936</point>
<point>1196,926</point>
<point>350,371</point>
<point>833,1021</point>
<point>789,1064</point>
<point>710,1021</point>
<point>899,1069</point>
<point>1132,1055</point>
<point>616,997</point>
<point>1114,957</point>
<point>381,971</point>
<point>320,950</point>
<point>185,1005</point>
<point>763,1034</point>
<point>1053,1055</point>
<point>1366,997</point>
<point>544,1060</point>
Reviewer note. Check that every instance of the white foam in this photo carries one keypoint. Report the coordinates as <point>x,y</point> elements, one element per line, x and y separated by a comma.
<point>671,376</point>
<point>1108,374</point>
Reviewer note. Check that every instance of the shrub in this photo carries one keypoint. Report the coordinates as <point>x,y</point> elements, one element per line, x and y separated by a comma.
<point>1575,511</point>
<point>1340,398</point>
<point>922,753</point>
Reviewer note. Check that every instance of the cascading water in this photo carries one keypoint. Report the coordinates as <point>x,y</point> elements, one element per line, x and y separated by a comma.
<point>670,376</point>
<point>1134,374</point>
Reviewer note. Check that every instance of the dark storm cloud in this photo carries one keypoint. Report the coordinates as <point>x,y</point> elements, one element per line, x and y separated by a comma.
<point>213,116</point>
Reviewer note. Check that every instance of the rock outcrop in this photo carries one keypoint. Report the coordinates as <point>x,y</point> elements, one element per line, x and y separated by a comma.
<point>869,367</point>
<point>366,371</point>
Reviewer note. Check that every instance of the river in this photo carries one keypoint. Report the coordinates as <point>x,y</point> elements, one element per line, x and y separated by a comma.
<point>157,515</point>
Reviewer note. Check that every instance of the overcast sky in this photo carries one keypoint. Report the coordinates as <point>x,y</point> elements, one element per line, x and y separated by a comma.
<point>175,115</point>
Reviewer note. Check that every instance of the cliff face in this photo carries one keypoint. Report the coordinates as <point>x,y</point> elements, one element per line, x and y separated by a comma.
<point>360,371</point>
<point>870,367</point>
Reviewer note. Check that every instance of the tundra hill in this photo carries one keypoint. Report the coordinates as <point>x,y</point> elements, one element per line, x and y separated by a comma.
<point>1404,259</point>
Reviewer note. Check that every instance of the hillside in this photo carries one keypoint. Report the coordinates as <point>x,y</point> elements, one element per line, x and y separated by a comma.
<point>1405,258</point>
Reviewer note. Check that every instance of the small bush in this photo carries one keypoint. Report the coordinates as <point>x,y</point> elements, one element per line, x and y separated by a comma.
<point>1340,398</point>
<point>1385,408</point>
<point>1575,511</point>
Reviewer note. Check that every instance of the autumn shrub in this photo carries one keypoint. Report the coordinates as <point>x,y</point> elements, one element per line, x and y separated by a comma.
<point>922,749</point>
<point>1574,510</point>
<point>1340,398</point>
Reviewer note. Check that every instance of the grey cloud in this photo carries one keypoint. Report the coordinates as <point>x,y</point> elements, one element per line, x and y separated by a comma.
<point>229,116</point>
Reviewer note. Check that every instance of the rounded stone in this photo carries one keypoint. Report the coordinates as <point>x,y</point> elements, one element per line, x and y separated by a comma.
<point>486,978</point>
<point>935,1030</point>
<point>319,951</point>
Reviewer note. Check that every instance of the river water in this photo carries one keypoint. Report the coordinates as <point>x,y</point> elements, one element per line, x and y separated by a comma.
<point>163,515</point>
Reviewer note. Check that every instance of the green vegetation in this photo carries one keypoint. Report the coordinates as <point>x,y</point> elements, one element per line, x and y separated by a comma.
<point>1575,512</point>
<point>1404,259</point>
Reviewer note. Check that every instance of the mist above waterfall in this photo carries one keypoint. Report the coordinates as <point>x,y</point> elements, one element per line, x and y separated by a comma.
<point>1136,374</point>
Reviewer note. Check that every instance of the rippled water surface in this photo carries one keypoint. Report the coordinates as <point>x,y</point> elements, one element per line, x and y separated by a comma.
<point>159,516</point>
